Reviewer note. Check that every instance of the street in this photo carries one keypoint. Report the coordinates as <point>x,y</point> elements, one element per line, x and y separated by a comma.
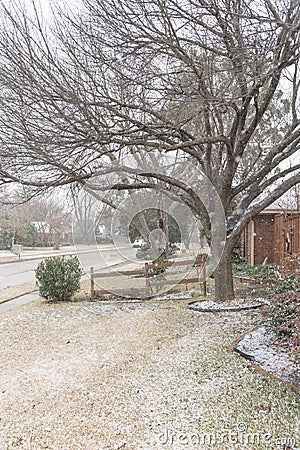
<point>24,270</point>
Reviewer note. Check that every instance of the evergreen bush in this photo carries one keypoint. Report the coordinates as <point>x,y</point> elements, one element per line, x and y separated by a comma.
<point>58,278</point>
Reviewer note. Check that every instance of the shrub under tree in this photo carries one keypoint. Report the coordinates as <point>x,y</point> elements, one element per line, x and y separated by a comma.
<point>284,313</point>
<point>58,278</point>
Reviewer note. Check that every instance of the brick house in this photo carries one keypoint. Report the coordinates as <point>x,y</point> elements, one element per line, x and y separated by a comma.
<point>272,237</point>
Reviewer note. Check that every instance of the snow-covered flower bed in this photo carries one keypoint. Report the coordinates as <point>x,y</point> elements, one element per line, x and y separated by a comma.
<point>259,347</point>
<point>233,305</point>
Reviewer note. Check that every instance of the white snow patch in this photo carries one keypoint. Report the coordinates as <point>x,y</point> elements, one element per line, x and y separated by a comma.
<point>225,306</point>
<point>187,294</point>
<point>263,300</point>
<point>208,305</point>
<point>260,345</point>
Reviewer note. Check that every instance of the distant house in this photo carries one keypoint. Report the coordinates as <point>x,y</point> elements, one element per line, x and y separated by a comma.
<point>41,226</point>
<point>273,237</point>
<point>57,232</point>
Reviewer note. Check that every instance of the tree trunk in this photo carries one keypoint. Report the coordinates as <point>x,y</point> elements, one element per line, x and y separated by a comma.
<point>162,224</point>
<point>141,226</point>
<point>224,289</point>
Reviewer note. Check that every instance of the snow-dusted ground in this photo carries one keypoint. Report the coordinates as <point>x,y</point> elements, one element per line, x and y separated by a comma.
<point>259,344</point>
<point>234,305</point>
<point>146,376</point>
<point>178,295</point>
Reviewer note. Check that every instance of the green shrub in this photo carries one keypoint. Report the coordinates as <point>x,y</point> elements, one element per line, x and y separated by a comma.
<point>259,272</point>
<point>287,283</point>
<point>284,320</point>
<point>158,272</point>
<point>144,252</point>
<point>284,312</point>
<point>58,278</point>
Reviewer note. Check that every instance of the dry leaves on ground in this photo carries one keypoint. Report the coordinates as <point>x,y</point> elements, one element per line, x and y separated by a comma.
<point>151,376</point>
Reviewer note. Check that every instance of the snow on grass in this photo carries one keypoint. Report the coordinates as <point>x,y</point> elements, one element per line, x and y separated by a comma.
<point>138,377</point>
<point>260,345</point>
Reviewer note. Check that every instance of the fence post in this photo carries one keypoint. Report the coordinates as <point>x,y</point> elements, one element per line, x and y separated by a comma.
<point>204,278</point>
<point>92,285</point>
<point>147,281</point>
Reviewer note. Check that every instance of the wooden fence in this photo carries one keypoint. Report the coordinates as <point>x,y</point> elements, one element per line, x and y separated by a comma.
<point>287,244</point>
<point>150,281</point>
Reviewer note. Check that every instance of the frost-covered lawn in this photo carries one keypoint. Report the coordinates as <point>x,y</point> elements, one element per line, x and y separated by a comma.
<point>136,376</point>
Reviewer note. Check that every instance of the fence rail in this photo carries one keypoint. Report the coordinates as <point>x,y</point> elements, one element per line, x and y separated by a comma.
<point>145,273</point>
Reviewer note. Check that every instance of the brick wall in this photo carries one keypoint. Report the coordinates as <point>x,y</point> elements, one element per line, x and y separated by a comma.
<point>272,231</point>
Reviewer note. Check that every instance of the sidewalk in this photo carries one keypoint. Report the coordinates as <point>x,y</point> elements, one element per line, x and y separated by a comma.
<point>18,301</point>
<point>6,256</point>
<point>27,297</point>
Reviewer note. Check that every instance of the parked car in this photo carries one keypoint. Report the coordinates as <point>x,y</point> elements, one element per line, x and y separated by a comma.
<point>138,243</point>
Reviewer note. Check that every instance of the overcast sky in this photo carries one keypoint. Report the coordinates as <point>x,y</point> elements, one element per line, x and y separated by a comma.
<point>46,7</point>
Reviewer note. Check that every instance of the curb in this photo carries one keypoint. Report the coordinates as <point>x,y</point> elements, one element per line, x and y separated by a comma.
<point>36,257</point>
<point>45,255</point>
<point>18,296</point>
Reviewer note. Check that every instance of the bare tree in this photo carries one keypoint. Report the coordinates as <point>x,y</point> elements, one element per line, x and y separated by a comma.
<point>212,82</point>
<point>291,200</point>
<point>38,221</point>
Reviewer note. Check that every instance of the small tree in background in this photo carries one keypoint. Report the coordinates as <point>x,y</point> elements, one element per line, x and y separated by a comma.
<point>58,278</point>
<point>291,200</point>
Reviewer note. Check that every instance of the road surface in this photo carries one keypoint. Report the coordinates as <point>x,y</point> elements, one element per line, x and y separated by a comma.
<point>19,272</point>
